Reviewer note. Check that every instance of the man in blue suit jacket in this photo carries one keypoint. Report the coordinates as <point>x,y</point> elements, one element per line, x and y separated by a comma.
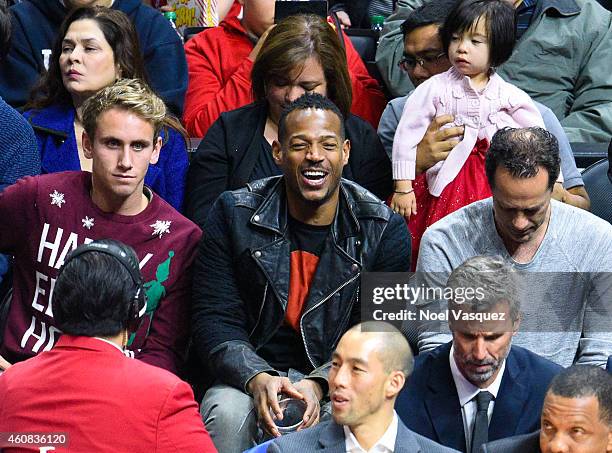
<point>369,368</point>
<point>439,401</point>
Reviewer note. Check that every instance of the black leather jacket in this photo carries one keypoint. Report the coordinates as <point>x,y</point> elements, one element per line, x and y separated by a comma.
<point>241,275</point>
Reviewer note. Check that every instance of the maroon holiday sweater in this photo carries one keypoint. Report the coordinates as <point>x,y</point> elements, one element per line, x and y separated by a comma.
<point>44,217</point>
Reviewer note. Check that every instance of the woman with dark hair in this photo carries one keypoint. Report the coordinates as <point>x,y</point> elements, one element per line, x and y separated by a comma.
<point>94,48</point>
<point>302,54</point>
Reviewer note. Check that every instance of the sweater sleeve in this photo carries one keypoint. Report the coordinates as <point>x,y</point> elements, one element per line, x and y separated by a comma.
<point>571,175</point>
<point>523,110</point>
<point>209,94</point>
<point>19,154</point>
<point>389,121</point>
<point>166,343</point>
<point>173,162</point>
<point>433,268</point>
<point>368,99</point>
<point>180,427</point>
<point>418,113</point>
<point>595,344</point>
<point>17,209</point>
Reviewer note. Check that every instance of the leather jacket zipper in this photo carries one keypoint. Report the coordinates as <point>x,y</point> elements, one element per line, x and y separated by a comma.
<point>316,306</point>
<point>260,309</point>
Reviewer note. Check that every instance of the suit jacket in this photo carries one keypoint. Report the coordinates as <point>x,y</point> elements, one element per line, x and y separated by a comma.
<point>429,404</point>
<point>102,400</point>
<point>328,437</point>
<point>527,443</point>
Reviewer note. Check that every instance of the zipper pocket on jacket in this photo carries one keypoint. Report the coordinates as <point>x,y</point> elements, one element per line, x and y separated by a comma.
<point>316,306</point>
<point>260,309</point>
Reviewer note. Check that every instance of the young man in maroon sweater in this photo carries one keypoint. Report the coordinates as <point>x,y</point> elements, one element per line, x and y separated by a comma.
<point>45,217</point>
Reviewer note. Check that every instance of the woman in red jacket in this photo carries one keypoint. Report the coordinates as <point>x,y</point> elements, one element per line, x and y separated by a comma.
<point>220,61</point>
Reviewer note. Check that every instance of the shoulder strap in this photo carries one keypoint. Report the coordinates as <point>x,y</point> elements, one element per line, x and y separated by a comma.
<point>336,22</point>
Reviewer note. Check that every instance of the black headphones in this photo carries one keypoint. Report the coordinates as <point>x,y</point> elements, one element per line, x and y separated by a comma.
<point>138,304</point>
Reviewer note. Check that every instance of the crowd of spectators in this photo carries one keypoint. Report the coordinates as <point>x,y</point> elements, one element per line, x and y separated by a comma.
<point>132,263</point>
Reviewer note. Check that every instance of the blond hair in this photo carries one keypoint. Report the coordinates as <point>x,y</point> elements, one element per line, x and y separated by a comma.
<point>132,95</point>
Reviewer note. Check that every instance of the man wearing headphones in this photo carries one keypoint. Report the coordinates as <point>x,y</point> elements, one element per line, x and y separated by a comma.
<point>45,217</point>
<point>85,394</point>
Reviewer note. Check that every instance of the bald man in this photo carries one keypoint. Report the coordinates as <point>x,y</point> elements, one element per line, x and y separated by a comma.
<point>369,368</point>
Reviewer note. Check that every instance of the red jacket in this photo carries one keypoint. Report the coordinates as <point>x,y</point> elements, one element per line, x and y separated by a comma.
<point>220,77</point>
<point>102,400</point>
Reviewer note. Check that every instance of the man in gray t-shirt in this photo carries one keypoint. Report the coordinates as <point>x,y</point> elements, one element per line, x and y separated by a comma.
<point>565,252</point>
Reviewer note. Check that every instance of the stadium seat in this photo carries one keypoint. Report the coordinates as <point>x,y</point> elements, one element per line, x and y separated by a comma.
<point>365,41</point>
<point>599,188</point>
<point>588,153</point>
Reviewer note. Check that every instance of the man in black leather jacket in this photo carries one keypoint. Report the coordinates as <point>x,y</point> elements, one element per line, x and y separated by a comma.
<point>276,282</point>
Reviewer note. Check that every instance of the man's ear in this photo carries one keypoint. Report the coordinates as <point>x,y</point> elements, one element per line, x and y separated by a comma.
<point>395,383</point>
<point>516,324</point>
<point>156,150</point>
<point>346,150</point>
<point>87,145</point>
<point>277,152</point>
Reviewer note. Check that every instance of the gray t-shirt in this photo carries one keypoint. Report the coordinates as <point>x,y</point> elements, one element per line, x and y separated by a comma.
<point>571,176</point>
<point>567,309</point>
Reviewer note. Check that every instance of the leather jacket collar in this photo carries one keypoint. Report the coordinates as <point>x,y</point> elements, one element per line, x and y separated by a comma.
<point>272,213</point>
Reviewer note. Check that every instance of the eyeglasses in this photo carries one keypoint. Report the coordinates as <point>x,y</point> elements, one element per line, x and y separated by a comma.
<point>408,62</point>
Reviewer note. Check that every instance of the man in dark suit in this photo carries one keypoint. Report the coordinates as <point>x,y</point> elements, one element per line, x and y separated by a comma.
<point>478,387</point>
<point>369,368</point>
<point>576,418</point>
<point>85,390</point>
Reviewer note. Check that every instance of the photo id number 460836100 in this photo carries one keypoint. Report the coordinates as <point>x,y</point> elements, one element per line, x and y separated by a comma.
<point>31,439</point>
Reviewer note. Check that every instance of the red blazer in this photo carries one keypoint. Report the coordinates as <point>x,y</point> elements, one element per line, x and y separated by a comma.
<point>220,77</point>
<point>103,400</point>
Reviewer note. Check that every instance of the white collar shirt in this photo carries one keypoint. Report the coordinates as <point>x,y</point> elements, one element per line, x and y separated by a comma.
<point>467,392</point>
<point>386,444</point>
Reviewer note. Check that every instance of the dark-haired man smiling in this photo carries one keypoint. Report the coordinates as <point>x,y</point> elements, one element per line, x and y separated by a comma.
<point>278,275</point>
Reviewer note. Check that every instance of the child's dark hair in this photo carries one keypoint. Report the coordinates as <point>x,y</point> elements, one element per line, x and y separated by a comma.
<point>500,23</point>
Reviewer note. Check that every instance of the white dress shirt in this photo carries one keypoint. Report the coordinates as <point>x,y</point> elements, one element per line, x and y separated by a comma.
<point>109,342</point>
<point>386,444</point>
<point>467,391</point>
